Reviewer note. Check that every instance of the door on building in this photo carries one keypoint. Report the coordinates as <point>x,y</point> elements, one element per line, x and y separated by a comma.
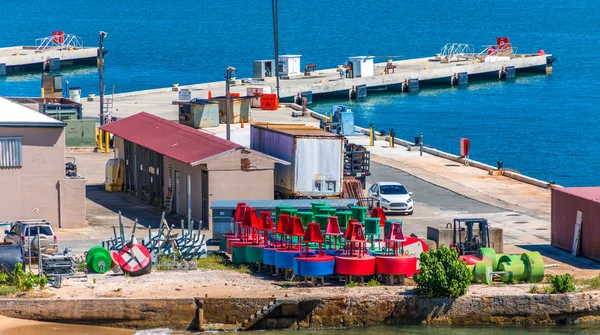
<point>177,192</point>
<point>205,208</point>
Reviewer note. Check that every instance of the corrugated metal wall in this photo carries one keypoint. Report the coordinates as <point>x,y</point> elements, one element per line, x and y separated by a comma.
<point>564,215</point>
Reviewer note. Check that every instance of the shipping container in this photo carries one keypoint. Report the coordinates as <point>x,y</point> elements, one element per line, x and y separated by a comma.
<point>316,158</point>
<point>566,202</point>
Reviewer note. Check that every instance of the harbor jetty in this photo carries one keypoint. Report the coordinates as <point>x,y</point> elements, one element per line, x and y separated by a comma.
<point>48,54</point>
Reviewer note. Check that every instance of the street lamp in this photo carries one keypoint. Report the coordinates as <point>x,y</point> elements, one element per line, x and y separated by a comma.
<point>275,15</point>
<point>229,73</point>
<point>101,70</point>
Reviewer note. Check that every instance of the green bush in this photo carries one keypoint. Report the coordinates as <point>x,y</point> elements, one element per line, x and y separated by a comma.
<point>442,274</point>
<point>373,282</point>
<point>562,283</point>
<point>19,280</point>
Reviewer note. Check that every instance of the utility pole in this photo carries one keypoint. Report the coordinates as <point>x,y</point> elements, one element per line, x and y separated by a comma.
<point>228,75</point>
<point>101,71</point>
<point>275,14</point>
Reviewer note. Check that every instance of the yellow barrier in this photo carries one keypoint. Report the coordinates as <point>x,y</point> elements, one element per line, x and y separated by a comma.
<point>107,142</point>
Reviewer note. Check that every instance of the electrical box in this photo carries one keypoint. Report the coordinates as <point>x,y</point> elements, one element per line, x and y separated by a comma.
<point>362,66</point>
<point>289,64</point>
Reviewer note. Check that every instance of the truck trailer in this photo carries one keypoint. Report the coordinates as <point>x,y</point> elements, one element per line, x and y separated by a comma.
<point>316,157</point>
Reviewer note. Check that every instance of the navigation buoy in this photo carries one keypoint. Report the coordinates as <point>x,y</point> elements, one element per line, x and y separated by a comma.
<point>135,260</point>
<point>98,259</point>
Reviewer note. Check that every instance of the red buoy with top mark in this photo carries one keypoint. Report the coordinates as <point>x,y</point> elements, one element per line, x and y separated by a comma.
<point>134,259</point>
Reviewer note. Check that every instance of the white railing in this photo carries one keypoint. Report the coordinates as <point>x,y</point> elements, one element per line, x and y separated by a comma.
<point>504,50</point>
<point>455,52</point>
<point>70,41</point>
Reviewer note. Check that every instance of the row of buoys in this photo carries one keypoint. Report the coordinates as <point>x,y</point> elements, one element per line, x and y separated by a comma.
<point>133,259</point>
<point>284,251</point>
<point>528,267</point>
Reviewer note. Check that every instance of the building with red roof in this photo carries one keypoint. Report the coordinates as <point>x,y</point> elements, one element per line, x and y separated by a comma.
<point>183,169</point>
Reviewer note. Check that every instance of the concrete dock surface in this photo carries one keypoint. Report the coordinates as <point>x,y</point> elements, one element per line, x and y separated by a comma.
<point>443,190</point>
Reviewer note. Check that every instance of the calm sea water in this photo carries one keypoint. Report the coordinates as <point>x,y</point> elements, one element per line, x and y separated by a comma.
<point>543,126</point>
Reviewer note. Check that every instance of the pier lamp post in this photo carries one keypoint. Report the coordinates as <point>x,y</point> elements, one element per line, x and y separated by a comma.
<point>229,73</point>
<point>101,71</point>
<point>275,16</point>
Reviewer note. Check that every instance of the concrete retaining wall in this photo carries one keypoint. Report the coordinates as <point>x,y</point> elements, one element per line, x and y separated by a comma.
<point>313,313</point>
<point>111,312</point>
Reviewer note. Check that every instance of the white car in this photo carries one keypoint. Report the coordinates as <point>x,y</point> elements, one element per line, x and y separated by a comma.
<point>392,197</point>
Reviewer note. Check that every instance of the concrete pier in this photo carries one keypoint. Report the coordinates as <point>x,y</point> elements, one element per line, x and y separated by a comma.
<point>28,58</point>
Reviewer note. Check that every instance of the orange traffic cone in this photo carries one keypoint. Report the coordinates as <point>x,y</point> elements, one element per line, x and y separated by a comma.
<point>209,95</point>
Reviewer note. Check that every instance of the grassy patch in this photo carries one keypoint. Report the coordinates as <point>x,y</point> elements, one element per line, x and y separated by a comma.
<point>7,290</point>
<point>373,282</point>
<point>218,262</point>
<point>352,284</point>
<point>540,289</point>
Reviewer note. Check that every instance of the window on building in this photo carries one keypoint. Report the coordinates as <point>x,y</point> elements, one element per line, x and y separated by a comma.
<point>11,153</point>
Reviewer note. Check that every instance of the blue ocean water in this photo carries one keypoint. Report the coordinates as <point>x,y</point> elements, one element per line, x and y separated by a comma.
<point>542,126</point>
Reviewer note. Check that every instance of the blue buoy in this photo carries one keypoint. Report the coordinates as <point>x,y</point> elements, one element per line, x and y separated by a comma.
<point>269,256</point>
<point>314,266</point>
<point>284,259</point>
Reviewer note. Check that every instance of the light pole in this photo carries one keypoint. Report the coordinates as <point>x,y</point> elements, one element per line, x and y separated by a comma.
<point>275,14</point>
<point>101,70</point>
<point>229,73</point>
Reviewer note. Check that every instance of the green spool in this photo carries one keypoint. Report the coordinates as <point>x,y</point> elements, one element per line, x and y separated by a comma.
<point>488,253</point>
<point>388,225</point>
<point>343,218</point>
<point>359,213</point>
<point>327,210</point>
<point>254,254</point>
<point>497,261</point>
<point>306,218</point>
<point>289,211</point>
<point>322,220</point>
<point>507,258</point>
<point>238,254</point>
<point>278,210</point>
<point>372,226</point>
<point>482,272</point>
<point>98,259</point>
<point>517,269</point>
<point>534,265</point>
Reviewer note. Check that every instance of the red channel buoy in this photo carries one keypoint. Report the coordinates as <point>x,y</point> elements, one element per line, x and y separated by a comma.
<point>396,265</point>
<point>135,260</point>
<point>355,266</point>
<point>469,259</point>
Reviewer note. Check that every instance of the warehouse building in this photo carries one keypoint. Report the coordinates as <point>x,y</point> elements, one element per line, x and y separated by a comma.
<point>183,169</point>
<point>32,170</point>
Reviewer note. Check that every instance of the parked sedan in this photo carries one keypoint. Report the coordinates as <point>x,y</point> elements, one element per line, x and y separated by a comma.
<point>392,197</point>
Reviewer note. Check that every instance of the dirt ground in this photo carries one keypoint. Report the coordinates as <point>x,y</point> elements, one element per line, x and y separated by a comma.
<point>227,284</point>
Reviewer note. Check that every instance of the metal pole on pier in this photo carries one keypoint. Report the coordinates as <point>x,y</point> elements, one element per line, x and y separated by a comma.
<point>228,75</point>
<point>275,15</point>
<point>101,71</point>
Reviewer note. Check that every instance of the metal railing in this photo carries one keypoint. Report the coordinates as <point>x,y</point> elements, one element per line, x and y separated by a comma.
<point>70,41</point>
<point>504,50</point>
<point>455,52</point>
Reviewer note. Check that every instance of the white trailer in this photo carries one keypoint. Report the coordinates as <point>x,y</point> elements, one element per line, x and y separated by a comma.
<point>316,158</point>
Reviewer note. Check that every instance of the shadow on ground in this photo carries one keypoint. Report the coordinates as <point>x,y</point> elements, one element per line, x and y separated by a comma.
<point>106,206</point>
<point>562,256</point>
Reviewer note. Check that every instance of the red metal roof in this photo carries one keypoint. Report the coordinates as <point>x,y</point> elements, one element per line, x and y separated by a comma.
<point>590,193</point>
<point>171,139</point>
